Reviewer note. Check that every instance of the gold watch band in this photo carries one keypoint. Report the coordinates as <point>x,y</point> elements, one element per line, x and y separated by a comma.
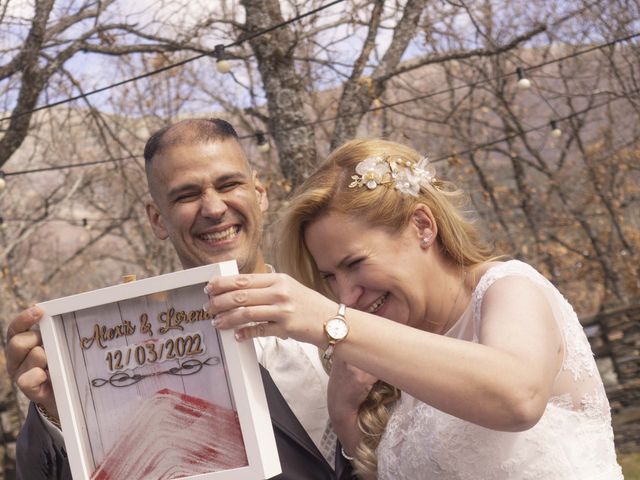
<point>328,353</point>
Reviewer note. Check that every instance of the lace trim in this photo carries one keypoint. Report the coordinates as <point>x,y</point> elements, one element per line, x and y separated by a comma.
<point>595,405</point>
<point>423,442</point>
<point>578,356</point>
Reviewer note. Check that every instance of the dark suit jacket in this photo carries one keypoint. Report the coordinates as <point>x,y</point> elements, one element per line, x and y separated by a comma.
<point>39,458</point>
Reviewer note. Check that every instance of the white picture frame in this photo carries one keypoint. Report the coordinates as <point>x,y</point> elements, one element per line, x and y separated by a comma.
<point>130,374</point>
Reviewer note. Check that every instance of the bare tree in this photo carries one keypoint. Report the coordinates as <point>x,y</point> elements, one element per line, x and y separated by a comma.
<point>440,76</point>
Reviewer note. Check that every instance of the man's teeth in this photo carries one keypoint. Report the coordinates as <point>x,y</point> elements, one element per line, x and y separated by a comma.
<point>377,304</point>
<point>219,236</point>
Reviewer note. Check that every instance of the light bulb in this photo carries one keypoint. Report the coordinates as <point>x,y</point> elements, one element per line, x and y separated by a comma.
<point>523,82</point>
<point>223,66</point>
<point>263,143</point>
<point>3,182</point>
<point>555,130</point>
<point>221,59</point>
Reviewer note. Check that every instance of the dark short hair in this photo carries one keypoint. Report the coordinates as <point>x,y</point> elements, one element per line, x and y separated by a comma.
<point>193,130</point>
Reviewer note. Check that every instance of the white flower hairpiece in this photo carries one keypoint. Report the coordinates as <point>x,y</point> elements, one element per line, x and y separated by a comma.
<point>404,175</point>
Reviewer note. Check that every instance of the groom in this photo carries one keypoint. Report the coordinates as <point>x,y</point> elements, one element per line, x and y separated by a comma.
<point>209,203</point>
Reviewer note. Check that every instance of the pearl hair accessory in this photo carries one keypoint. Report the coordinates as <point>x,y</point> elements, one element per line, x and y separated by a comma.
<point>404,175</point>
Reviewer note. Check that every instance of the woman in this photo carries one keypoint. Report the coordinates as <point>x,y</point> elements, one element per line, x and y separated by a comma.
<point>496,374</point>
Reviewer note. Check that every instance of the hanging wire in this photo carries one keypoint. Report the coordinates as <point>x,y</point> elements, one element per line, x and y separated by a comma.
<point>372,109</point>
<point>171,66</point>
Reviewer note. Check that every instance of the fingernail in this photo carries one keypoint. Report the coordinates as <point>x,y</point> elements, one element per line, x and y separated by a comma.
<point>34,312</point>
<point>206,289</point>
<point>239,336</point>
<point>205,307</point>
<point>216,321</point>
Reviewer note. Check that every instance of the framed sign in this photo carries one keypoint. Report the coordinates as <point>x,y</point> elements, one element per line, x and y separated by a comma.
<point>147,388</point>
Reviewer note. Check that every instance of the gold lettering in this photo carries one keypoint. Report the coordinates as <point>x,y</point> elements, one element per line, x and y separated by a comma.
<point>174,320</point>
<point>169,321</point>
<point>102,334</point>
<point>145,325</point>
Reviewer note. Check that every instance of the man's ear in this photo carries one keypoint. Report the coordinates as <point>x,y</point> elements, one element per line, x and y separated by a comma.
<point>155,219</point>
<point>261,193</point>
<point>424,224</point>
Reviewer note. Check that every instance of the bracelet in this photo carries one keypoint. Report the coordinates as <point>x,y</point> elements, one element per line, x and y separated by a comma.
<point>54,420</point>
<point>351,459</point>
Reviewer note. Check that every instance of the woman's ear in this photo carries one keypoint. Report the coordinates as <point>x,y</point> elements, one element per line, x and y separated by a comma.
<point>424,224</point>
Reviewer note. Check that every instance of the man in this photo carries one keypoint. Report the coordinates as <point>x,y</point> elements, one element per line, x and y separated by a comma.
<point>207,201</point>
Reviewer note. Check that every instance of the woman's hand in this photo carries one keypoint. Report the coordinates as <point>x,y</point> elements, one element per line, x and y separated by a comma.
<point>273,304</point>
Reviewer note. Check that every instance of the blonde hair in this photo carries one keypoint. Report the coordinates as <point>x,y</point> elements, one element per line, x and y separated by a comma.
<point>327,190</point>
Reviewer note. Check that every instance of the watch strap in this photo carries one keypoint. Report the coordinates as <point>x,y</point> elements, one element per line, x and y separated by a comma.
<point>328,353</point>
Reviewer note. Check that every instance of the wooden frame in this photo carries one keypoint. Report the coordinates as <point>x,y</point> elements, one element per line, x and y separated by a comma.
<point>142,380</point>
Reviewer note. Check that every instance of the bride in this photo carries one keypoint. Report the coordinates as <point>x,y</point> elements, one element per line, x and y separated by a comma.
<point>447,363</point>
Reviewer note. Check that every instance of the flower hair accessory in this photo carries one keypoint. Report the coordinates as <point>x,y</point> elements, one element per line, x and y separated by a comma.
<point>404,175</point>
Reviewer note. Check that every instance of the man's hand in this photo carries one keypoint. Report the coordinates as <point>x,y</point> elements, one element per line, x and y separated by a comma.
<point>348,388</point>
<point>26,360</point>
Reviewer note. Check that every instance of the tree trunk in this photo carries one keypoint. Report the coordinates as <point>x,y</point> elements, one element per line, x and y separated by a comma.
<point>284,90</point>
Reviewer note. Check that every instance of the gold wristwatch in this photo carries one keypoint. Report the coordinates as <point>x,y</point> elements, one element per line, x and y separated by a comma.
<point>336,329</point>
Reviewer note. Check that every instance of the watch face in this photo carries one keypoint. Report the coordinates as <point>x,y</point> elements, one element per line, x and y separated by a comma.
<point>337,328</point>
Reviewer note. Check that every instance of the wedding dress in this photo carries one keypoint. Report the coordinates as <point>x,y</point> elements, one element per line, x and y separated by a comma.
<point>572,440</point>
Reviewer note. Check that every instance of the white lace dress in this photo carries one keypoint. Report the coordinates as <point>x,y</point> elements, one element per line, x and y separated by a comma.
<point>572,440</point>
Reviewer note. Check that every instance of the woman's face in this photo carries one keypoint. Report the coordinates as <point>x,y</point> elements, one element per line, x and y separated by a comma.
<point>370,269</point>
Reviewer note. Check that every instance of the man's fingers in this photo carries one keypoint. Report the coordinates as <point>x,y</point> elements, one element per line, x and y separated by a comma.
<point>35,359</point>
<point>24,321</point>
<point>20,347</point>
<point>32,377</point>
<point>33,380</point>
<point>30,381</point>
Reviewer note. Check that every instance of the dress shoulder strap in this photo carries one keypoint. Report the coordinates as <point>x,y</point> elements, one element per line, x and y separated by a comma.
<point>501,270</point>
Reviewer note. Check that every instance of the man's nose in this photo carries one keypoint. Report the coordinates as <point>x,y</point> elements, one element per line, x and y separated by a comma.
<point>213,205</point>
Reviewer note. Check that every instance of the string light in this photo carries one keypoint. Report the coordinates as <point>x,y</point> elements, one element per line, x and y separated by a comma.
<point>523,82</point>
<point>263,143</point>
<point>72,165</point>
<point>521,133</point>
<point>245,38</point>
<point>324,120</point>
<point>86,225</point>
<point>287,22</point>
<point>221,59</point>
<point>270,29</point>
<point>614,151</point>
<point>555,130</point>
<point>1,223</point>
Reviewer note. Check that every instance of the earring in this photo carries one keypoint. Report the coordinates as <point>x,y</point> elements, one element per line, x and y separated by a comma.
<point>426,240</point>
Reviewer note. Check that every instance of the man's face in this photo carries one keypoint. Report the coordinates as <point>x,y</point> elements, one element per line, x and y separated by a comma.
<point>208,203</point>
